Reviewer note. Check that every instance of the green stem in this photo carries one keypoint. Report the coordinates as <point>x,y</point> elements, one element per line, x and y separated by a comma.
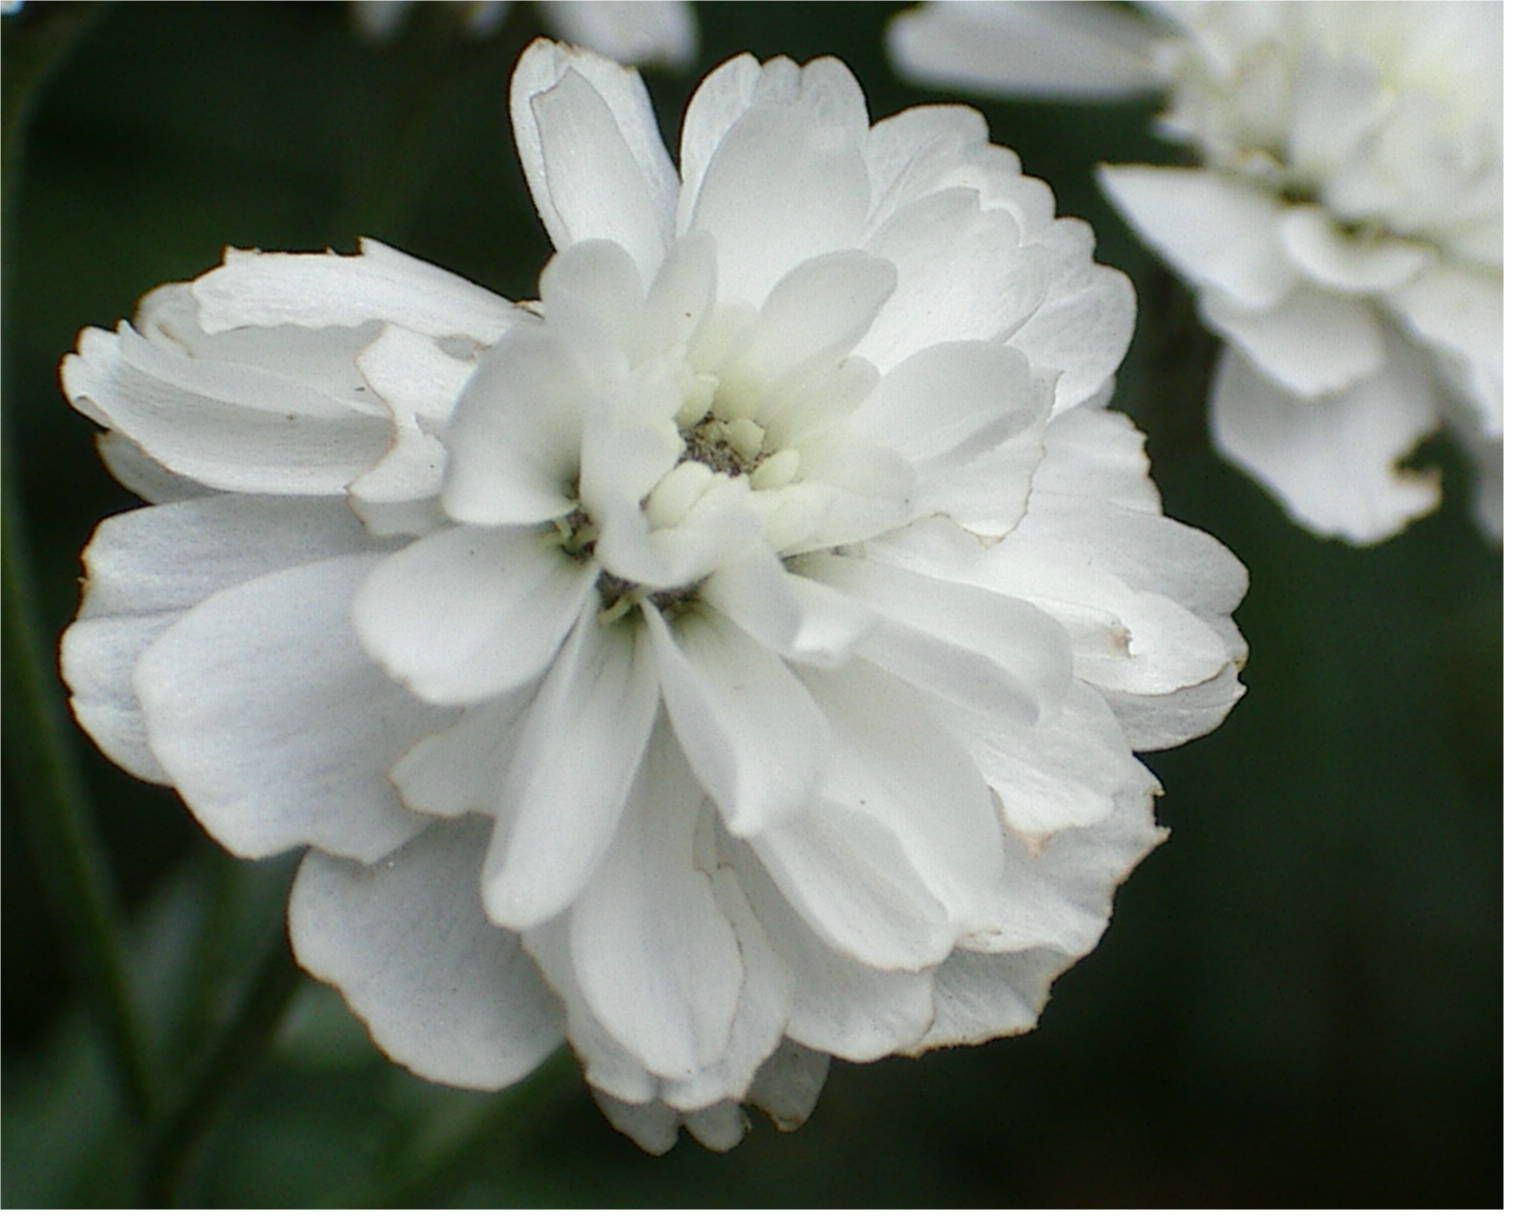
<point>71,863</point>
<point>434,1163</point>
<point>174,1143</point>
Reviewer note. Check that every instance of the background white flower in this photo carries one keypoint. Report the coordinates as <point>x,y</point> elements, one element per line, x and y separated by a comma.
<point>643,32</point>
<point>1344,231</point>
<point>730,660</point>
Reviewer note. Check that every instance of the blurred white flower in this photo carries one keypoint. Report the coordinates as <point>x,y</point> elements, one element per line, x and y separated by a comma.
<point>647,32</point>
<point>1344,231</point>
<point>731,660</point>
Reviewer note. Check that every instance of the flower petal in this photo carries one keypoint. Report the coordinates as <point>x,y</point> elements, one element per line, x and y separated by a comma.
<point>788,1086</point>
<point>824,88</point>
<point>1334,462</point>
<point>253,289</point>
<point>802,620</point>
<point>466,613</point>
<point>853,882</point>
<point>443,991</point>
<point>273,723</point>
<point>751,732</point>
<point>959,641</point>
<point>461,769</point>
<point>657,960</point>
<point>591,151</point>
<point>762,1009</point>
<point>894,763</point>
<point>1046,49</point>
<point>951,401</point>
<point>964,273</point>
<point>229,426</point>
<point>1311,343</point>
<point>814,192</point>
<point>1083,327</point>
<point>1328,256</point>
<point>817,312</point>
<point>1217,231</point>
<point>579,750</point>
<point>841,1006</point>
<point>1459,311</point>
<point>130,466</point>
<point>514,442</point>
<point>145,568</point>
<point>643,32</point>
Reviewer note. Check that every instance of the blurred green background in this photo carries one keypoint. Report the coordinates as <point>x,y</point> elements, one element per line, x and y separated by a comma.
<point>1297,1003</point>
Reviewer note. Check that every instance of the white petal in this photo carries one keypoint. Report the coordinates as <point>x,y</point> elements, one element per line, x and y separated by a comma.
<point>467,613</point>
<point>591,151</point>
<point>1216,231</point>
<point>579,750</point>
<point>229,426</point>
<point>1083,327</point>
<point>142,476</point>
<point>752,733</point>
<point>788,1086</point>
<point>818,312</point>
<point>514,441</point>
<point>1159,722</point>
<point>461,769</point>
<point>1065,771</point>
<point>841,1006</point>
<point>1459,311</point>
<point>1336,101</point>
<point>762,1008</point>
<point>1323,252</point>
<point>893,762</point>
<point>853,882</point>
<point>274,725</point>
<point>962,642</point>
<point>1100,455</point>
<point>914,152</point>
<point>658,962</point>
<point>414,376</point>
<point>1333,461</point>
<point>719,1127</point>
<point>651,1125</point>
<point>951,400</point>
<point>644,32</point>
<point>963,274</point>
<point>785,183</point>
<point>1045,49</point>
<point>592,296</point>
<point>608,1066</point>
<point>251,288</point>
<point>802,620</point>
<point>979,996</point>
<point>824,88</point>
<point>144,569</point>
<point>1310,343</point>
<point>442,991</point>
<point>1059,897</point>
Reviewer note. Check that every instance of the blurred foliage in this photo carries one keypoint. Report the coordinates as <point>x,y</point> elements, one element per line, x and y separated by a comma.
<point>1298,1001</point>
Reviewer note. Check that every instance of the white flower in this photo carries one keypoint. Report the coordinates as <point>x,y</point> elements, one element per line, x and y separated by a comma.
<point>731,660</point>
<point>633,31</point>
<point>1344,231</point>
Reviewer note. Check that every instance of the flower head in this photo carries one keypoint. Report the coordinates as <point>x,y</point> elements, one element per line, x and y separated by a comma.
<point>1344,231</point>
<point>729,660</point>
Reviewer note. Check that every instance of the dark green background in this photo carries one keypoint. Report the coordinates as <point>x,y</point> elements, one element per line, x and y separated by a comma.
<point>1298,1001</point>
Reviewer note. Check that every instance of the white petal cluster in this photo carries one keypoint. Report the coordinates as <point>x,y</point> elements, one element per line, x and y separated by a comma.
<point>1344,230</point>
<point>731,660</point>
<point>647,32</point>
